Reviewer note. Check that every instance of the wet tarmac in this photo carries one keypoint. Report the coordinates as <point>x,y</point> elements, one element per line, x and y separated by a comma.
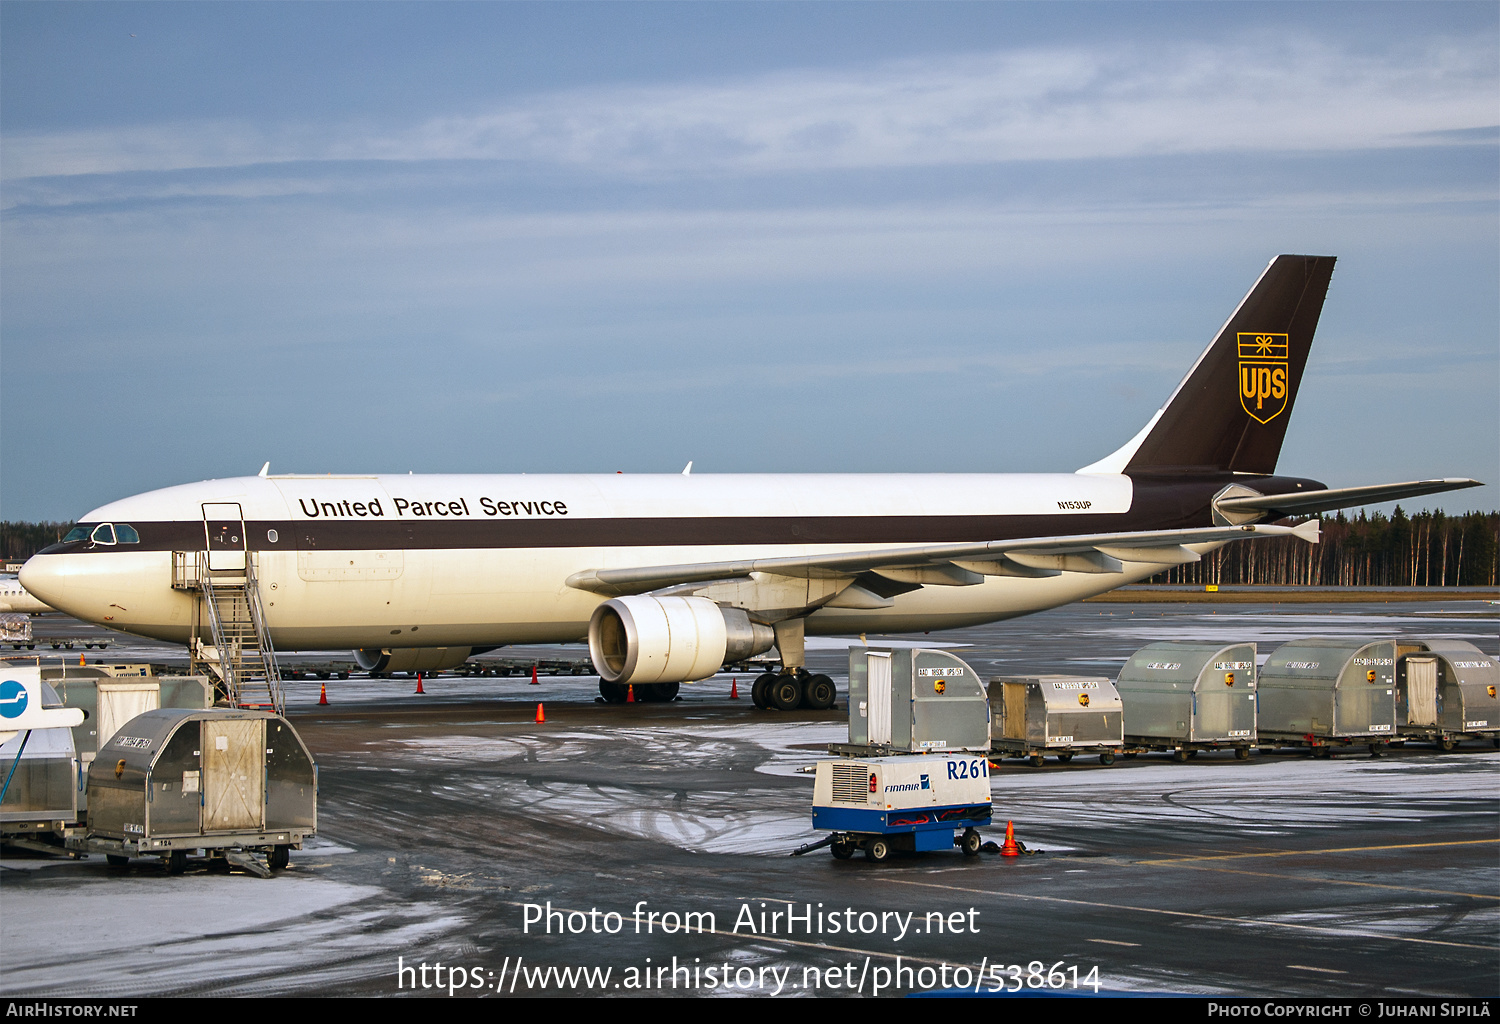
<point>450,821</point>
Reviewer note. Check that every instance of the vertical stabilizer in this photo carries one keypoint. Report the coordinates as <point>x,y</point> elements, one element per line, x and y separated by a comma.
<point>1230,412</point>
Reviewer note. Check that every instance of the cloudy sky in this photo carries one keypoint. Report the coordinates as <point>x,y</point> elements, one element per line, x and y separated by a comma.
<point>764,237</point>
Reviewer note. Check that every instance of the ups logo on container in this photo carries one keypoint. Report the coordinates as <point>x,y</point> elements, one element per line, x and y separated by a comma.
<point>1263,375</point>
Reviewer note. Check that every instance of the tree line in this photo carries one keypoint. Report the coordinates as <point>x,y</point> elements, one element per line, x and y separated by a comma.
<point>1428,549</point>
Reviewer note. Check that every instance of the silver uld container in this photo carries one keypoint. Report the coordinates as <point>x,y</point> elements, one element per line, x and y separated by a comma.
<point>189,779</point>
<point>1325,688</point>
<point>43,790</point>
<point>1446,688</point>
<point>110,696</point>
<point>914,700</point>
<point>1055,712</point>
<point>1186,693</point>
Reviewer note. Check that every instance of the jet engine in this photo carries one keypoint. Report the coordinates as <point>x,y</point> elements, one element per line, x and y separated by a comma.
<point>644,639</point>
<point>385,661</point>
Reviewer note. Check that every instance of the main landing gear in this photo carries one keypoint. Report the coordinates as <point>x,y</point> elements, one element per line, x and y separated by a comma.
<point>787,691</point>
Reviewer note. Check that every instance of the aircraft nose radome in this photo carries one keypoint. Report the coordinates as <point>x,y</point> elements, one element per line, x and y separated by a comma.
<point>41,580</point>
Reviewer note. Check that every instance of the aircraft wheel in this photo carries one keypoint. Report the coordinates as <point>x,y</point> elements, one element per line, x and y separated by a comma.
<point>785,693</point>
<point>613,693</point>
<point>663,692</point>
<point>970,842</point>
<point>878,850</point>
<point>820,693</point>
<point>842,850</point>
<point>760,690</point>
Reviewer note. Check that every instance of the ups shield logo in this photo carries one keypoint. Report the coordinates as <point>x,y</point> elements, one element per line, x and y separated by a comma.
<point>1263,375</point>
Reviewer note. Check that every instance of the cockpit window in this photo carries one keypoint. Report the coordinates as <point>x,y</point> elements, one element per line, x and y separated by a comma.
<point>104,533</point>
<point>125,534</point>
<point>76,533</point>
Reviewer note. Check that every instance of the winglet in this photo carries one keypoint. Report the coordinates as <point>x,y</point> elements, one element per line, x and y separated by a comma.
<point>264,470</point>
<point>688,469</point>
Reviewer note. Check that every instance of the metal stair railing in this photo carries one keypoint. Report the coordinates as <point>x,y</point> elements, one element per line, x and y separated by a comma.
<point>246,659</point>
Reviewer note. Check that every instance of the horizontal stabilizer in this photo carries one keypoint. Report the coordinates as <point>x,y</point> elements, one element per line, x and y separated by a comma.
<point>1302,503</point>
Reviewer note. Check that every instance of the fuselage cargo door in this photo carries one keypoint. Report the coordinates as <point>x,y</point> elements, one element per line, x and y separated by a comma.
<point>224,533</point>
<point>878,666</point>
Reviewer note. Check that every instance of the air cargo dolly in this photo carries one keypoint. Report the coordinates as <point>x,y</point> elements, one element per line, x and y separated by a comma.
<point>907,803</point>
<point>235,784</point>
<point>1446,691</point>
<point>1324,693</point>
<point>1034,717</point>
<point>1185,697</point>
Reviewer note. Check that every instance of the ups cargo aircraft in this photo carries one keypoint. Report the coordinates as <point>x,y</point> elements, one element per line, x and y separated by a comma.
<point>670,576</point>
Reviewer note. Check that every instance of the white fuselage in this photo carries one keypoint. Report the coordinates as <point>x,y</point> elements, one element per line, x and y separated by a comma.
<point>448,561</point>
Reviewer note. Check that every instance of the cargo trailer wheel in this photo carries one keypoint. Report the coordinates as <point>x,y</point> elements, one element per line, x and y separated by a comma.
<point>878,850</point>
<point>176,862</point>
<point>1107,758</point>
<point>1322,753</point>
<point>1180,756</point>
<point>116,861</point>
<point>970,843</point>
<point>1242,753</point>
<point>1447,743</point>
<point>1037,760</point>
<point>280,857</point>
<point>760,690</point>
<point>785,693</point>
<point>842,850</point>
<point>1064,758</point>
<point>820,693</point>
<point>1130,756</point>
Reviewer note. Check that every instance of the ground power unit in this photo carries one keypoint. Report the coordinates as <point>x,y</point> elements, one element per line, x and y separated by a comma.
<point>906,803</point>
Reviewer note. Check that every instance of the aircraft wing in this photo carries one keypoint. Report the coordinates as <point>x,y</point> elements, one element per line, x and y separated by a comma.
<point>950,564</point>
<point>1302,503</point>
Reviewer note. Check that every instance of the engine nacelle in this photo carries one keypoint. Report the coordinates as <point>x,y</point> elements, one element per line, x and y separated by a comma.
<point>643,639</point>
<point>384,661</point>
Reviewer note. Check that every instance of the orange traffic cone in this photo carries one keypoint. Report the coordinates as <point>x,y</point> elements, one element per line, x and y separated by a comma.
<point>1010,849</point>
<point>630,694</point>
<point>539,716</point>
<point>533,677</point>
<point>323,694</point>
<point>734,689</point>
<point>80,659</point>
<point>419,683</point>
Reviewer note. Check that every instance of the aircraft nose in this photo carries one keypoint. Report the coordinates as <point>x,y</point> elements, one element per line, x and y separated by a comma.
<point>42,579</point>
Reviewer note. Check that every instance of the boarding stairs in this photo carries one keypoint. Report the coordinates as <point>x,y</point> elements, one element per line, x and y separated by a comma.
<point>242,655</point>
